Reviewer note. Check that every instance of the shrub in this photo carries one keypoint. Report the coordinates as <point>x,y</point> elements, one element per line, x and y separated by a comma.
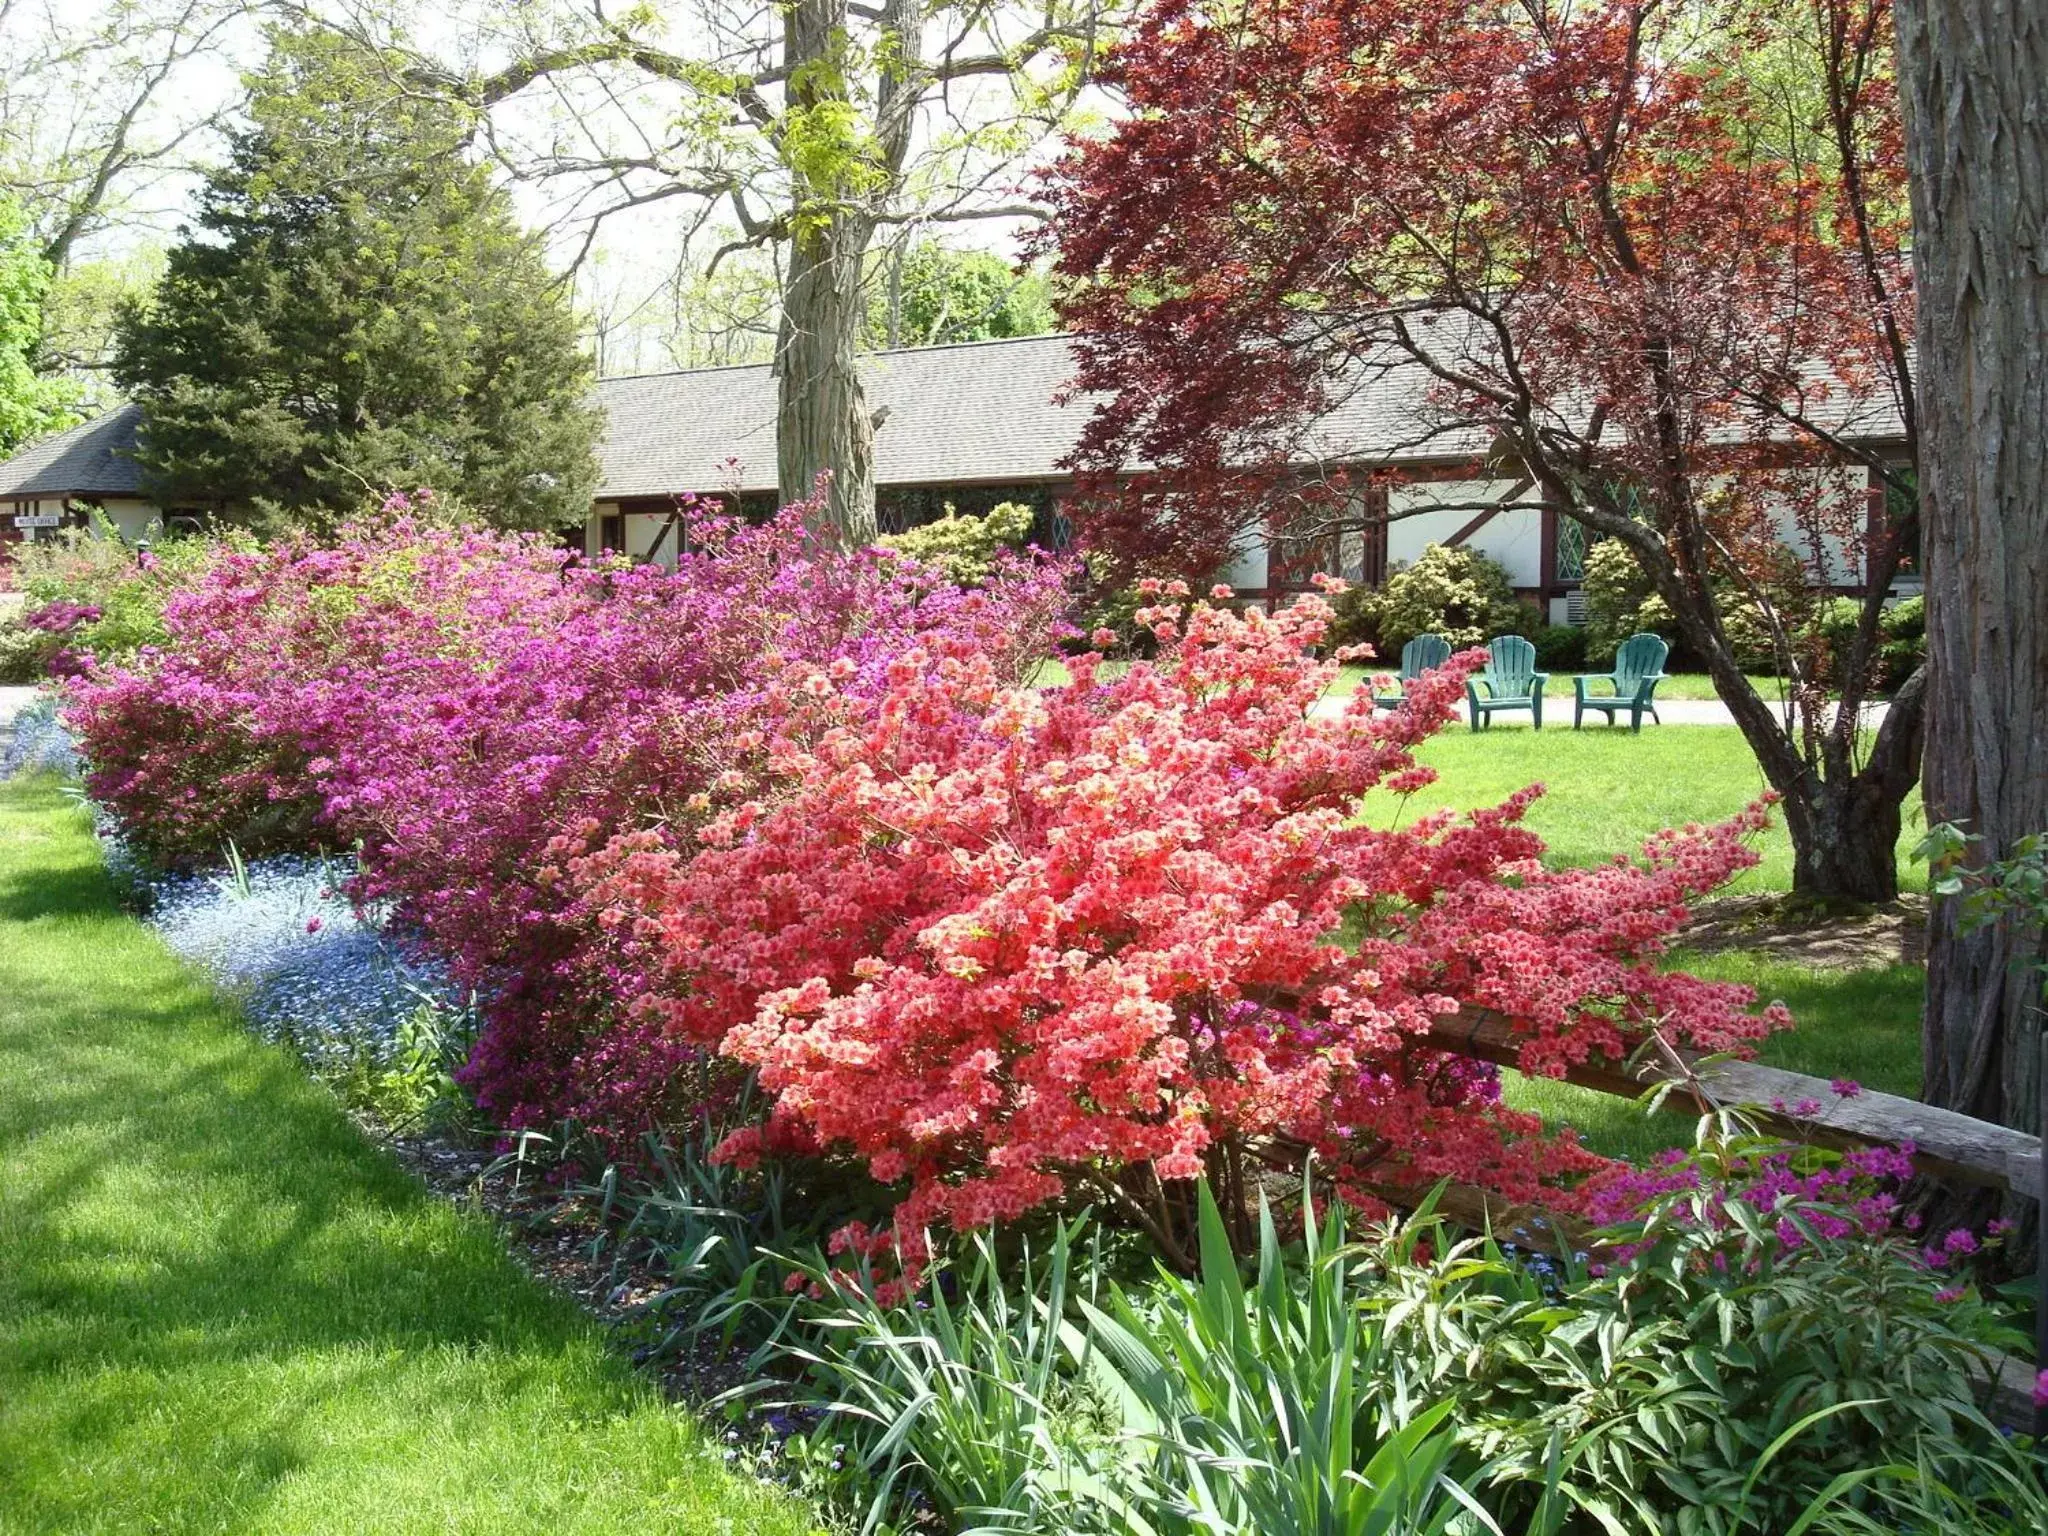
<point>1454,592</point>
<point>24,653</point>
<point>1756,1294</point>
<point>1354,620</point>
<point>963,549</point>
<point>998,944</point>
<point>1560,648</point>
<point>1901,644</point>
<point>1619,601</point>
<point>455,700</point>
<point>103,597</point>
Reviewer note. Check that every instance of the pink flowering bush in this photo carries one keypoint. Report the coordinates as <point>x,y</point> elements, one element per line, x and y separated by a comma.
<point>999,944</point>
<point>449,701</point>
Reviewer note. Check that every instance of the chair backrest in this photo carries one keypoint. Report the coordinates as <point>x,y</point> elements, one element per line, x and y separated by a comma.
<point>1640,656</point>
<point>1511,663</point>
<point>1421,654</point>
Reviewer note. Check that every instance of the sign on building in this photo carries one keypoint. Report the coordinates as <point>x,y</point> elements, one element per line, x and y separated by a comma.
<point>39,520</point>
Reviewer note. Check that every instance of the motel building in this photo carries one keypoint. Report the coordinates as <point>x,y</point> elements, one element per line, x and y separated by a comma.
<point>969,426</point>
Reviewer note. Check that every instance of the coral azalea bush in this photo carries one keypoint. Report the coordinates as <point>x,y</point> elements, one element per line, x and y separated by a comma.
<point>1000,943</point>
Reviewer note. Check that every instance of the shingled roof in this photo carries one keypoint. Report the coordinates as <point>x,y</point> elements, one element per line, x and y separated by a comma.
<point>91,459</point>
<point>978,411</point>
<point>974,413</point>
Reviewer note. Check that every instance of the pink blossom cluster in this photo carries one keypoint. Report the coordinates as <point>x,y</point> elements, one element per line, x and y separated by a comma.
<point>999,943</point>
<point>1854,1194</point>
<point>451,701</point>
<point>795,811</point>
<point>61,617</point>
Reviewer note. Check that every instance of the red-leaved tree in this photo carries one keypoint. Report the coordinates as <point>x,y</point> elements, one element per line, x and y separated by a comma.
<point>1643,260</point>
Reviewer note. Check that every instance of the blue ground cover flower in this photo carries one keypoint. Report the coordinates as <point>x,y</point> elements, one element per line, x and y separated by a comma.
<point>280,935</point>
<point>39,743</point>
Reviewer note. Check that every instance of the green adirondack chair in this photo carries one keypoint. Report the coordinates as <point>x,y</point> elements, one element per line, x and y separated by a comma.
<point>1510,681</point>
<point>1417,657</point>
<point>1638,669</point>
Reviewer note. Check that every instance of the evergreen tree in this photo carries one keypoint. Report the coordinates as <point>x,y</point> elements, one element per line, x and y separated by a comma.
<point>358,311</point>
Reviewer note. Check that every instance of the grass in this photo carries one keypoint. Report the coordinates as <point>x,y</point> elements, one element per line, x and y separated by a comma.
<point>221,1309</point>
<point>1861,1024</point>
<point>1607,790</point>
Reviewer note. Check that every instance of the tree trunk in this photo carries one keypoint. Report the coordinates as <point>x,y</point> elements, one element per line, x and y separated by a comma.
<point>822,423</point>
<point>1843,820</point>
<point>1972,72</point>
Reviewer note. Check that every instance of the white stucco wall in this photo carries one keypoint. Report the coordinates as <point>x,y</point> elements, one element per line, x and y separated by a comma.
<point>1513,538</point>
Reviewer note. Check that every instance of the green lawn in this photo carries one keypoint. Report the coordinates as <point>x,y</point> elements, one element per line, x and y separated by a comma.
<point>1859,1024</point>
<point>1558,693</point>
<point>1679,685</point>
<point>1607,790</point>
<point>222,1310</point>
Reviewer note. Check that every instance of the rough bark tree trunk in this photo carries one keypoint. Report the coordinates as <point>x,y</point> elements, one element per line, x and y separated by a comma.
<point>1843,817</point>
<point>822,422</point>
<point>1975,79</point>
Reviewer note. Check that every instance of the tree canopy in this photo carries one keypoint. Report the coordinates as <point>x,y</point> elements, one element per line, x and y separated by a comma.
<point>357,310</point>
<point>929,295</point>
<point>30,405</point>
<point>1656,292</point>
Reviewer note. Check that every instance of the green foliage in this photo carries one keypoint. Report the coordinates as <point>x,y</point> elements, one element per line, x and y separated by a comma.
<point>963,1401</point>
<point>1267,1409</point>
<point>30,404</point>
<point>1561,648</point>
<point>358,312</point>
<point>1456,592</point>
<point>223,1309</point>
<point>22,655</point>
<point>1901,638</point>
<point>931,294</point>
<point>963,548</point>
<point>1665,1389</point>
<point>1356,621</point>
<point>99,568</point>
<point>1619,602</point>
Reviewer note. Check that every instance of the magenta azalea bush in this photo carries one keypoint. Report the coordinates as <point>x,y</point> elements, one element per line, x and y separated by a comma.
<point>449,702</point>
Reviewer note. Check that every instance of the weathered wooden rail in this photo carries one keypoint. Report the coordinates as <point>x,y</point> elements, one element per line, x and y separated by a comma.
<point>1946,1144</point>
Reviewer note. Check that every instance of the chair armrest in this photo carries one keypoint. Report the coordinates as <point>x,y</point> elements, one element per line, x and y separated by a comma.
<point>1536,682</point>
<point>1646,690</point>
<point>1581,684</point>
<point>1474,684</point>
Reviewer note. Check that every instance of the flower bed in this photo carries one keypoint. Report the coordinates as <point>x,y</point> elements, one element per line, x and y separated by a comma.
<point>788,810</point>
<point>788,819</point>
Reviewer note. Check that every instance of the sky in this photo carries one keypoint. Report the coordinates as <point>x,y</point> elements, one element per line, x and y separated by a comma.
<point>53,106</point>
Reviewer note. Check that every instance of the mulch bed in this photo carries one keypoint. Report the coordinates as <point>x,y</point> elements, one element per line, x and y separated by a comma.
<point>1894,933</point>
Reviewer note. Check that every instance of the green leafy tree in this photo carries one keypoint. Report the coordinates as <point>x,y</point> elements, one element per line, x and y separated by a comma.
<point>358,311</point>
<point>929,294</point>
<point>30,404</point>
